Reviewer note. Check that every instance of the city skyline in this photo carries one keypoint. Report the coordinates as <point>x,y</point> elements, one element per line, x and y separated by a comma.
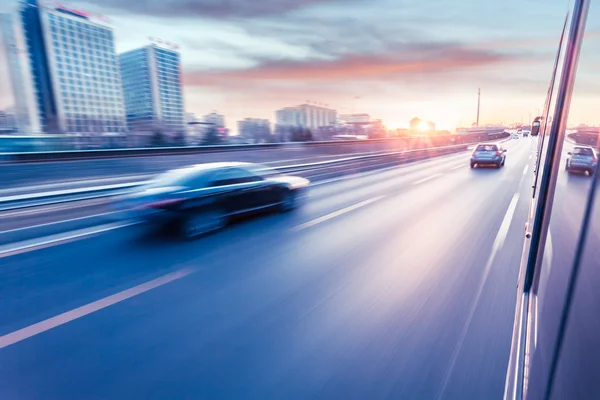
<point>409,61</point>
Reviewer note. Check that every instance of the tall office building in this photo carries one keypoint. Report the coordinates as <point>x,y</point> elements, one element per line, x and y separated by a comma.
<point>152,86</point>
<point>26,118</point>
<point>306,116</point>
<point>215,118</point>
<point>75,73</point>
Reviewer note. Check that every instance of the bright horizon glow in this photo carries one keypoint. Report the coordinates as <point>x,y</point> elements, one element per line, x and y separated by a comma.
<point>406,62</point>
<point>423,126</point>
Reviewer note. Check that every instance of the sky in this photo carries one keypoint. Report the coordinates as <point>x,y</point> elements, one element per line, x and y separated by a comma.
<point>393,59</point>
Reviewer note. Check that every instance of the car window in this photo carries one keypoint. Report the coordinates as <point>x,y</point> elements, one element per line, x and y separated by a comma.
<point>556,259</point>
<point>186,177</point>
<point>261,170</point>
<point>487,147</point>
<point>233,176</point>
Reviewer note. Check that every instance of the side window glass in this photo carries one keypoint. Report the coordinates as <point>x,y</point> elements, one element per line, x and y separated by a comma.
<point>571,377</point>
<point>233,176</point>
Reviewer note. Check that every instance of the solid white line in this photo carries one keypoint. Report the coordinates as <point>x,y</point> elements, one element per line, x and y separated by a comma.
<point>458,166</point>
<point>61,319</point>
<point>504,227</point>
<point>353,176</point>
<point>58,222</point>
<point>336,213</point>
<point>45,209</point>
<point>64,192</point>
<point>83,182</point>
<point>52,240</point>
<point>498,243</point>
<point>427,179</point>
<point>526,169</point>
<point>428,163</point>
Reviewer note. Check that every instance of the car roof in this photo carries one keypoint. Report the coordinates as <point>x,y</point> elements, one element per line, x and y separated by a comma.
<point>219,165</point>
<point>583,147</point>
<point>488,144</point>
<point>209,167</point>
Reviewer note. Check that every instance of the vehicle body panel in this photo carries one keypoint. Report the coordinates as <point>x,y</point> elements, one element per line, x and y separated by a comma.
<point>229,188</point>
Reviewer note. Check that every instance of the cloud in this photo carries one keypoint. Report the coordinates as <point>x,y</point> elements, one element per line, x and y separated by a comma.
<point>397,63</point>
<point>209,8</point>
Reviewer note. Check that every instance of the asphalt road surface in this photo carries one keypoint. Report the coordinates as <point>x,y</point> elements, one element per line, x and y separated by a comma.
<point>396,284</point>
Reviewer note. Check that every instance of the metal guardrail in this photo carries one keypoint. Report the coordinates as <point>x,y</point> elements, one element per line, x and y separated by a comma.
<point>64,155</point>
<point>69,195</point>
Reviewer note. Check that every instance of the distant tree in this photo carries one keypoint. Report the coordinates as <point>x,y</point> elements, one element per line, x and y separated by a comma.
<point>280,133</point>
<point>158,138</point>
<point>178,139</point>
<point>211,136</point>
<point>296,134</point>
<point>307,135</point>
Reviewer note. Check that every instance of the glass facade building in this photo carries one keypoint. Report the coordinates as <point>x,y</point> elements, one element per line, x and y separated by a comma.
<point>75,71</point>
<point>306,116</point>
<point>25,108</point>
<point>153,91</point>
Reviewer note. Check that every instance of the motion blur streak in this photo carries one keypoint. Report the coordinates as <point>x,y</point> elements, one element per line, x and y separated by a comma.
<point>79,312</point>
<point>498,243</point>
<point>337,213</point>
<point>368,304</point>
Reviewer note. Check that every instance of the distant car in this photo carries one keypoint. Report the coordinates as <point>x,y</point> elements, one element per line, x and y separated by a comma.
<point>525,133</point>
<point>582,159</point>
<point>202,198</point>
<point>488,154</point>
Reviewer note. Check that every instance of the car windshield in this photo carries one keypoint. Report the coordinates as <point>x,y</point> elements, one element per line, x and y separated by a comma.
<point>582,151</point>
<point>487,147</point>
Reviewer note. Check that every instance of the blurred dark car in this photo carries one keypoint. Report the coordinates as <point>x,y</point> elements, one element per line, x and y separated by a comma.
<point>488,154</point>
<point>582,159</point>
<point>203,198</point>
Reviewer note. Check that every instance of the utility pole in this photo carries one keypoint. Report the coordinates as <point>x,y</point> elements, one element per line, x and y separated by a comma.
<point>478,105</point>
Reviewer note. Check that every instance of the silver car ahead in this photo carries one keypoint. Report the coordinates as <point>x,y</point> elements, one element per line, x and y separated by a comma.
<point>582,159</point>
<point>488,154</point>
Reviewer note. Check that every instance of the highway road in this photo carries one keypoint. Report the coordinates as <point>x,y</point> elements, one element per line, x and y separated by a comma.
<point>398,283</point>
<point>43,217</point>
<point>66,172</point>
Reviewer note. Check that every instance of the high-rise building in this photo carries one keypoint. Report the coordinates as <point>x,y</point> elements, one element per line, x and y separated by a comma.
<point>26,116</point>
<point>75,73</point>
<point>309,116</point>
<point>355,118</point>
<point>152,87</point>
<point>215,118</point>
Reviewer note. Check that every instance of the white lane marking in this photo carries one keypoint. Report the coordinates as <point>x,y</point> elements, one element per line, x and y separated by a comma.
<point>458,166</point>
<point>410,165</point>
<point>45,209</point>
<point>64,192</point>
<point>59,222</point>
<point>53,240</point>
<point>427,179</point>
<point>353,176</point>
<point>498,243</point>
<point>526,169</point>
<point>83,182</point>
<point>61,319</point>
<point>530,156</point>
<point>336,213</point>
